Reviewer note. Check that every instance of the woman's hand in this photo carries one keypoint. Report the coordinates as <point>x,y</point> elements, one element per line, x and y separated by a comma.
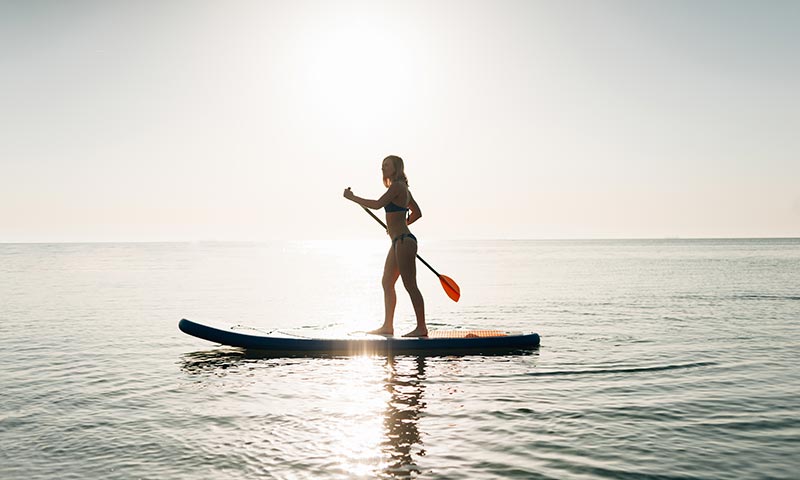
<point>348,194</point>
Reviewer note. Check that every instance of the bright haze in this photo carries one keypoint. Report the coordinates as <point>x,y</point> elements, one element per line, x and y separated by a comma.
<point>245,120</point>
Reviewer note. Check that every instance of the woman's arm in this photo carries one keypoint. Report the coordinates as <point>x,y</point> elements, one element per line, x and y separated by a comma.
<point>415,213</point>
<point>385,199</point>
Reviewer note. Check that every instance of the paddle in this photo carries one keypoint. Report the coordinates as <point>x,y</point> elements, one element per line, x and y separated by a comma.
<point>449,285</point>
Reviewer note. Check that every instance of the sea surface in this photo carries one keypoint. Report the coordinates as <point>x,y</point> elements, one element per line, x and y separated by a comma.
<point>665,359</point>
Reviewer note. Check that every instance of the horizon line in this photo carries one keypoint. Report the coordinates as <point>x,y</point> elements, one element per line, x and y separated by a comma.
<point>435,239</point>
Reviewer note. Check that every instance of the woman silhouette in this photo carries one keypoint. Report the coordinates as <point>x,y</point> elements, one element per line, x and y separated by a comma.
<point>401,211</point>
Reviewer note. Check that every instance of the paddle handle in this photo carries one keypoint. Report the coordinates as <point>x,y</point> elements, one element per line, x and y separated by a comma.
<point>386,228</point>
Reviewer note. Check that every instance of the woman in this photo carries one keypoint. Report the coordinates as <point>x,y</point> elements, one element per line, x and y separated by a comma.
<point>401,260</point>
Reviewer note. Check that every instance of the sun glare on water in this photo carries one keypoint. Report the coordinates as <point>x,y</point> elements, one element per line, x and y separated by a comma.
<point>379,429</point>
<point>358,430</point>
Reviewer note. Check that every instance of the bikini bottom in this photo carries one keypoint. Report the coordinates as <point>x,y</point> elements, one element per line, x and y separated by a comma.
<point>403,236</point>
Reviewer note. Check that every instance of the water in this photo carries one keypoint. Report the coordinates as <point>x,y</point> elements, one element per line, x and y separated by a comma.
<point>659,359</point>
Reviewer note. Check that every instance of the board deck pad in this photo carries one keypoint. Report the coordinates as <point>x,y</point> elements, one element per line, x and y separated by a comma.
<point>465,333</point>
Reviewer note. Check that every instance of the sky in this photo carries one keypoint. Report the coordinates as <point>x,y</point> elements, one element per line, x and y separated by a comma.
<point>245,120</point>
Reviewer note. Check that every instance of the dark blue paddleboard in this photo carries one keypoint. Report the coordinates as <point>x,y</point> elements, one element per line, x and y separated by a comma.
<point>438,342</point>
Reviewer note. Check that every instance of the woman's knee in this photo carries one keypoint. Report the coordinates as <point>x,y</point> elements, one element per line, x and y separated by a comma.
<point>388,282</point>
<point>410,283</point>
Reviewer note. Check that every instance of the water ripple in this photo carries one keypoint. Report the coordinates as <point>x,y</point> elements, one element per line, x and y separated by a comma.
<point>602,371</point>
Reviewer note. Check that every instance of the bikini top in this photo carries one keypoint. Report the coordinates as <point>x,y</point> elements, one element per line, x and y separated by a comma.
<point>391,207</point>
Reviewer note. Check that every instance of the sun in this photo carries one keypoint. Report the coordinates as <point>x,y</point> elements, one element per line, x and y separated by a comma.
<point>353,70</point>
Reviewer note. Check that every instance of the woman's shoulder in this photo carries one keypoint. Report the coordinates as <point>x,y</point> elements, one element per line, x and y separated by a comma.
<point>398,187</point>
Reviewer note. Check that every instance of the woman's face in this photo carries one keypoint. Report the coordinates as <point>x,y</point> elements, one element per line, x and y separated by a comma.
<point>388,168</point>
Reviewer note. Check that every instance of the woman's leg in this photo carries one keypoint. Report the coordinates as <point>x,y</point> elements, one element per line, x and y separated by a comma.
<point>390,276</point>
<point>406,252</point>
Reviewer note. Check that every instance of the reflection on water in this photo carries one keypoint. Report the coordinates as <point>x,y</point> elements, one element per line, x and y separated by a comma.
<point>405,383</point>
<point>361,447</point>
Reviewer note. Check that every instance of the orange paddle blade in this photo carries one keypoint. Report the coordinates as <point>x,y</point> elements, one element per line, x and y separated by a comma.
<point>450,287</point>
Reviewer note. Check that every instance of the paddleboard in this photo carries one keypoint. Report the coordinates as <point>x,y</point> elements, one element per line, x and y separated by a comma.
<point>437,342</point>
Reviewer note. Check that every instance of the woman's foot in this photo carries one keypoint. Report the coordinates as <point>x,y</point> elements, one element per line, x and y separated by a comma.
<point>382,331</point>
<point>417,332</point>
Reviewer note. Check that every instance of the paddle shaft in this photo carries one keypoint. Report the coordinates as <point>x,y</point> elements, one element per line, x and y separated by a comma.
<point>385,227</point>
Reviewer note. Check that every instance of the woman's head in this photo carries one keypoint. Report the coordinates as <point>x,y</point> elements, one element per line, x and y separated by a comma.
<point>393,170</point>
